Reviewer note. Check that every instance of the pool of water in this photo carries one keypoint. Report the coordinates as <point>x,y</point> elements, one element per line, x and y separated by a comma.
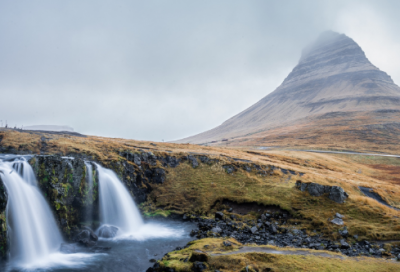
<point>127,253</point>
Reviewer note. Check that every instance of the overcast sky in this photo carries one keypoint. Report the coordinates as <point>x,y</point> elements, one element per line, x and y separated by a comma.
<point>153,70</point>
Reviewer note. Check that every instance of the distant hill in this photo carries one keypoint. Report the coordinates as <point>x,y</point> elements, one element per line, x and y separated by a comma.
<point>333,85</point>
<point>49,128</point>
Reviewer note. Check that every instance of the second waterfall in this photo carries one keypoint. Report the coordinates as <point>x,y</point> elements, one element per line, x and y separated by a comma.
<point>117,207</point>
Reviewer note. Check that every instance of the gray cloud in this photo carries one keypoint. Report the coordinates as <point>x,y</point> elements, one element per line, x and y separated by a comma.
<point>166,69</point>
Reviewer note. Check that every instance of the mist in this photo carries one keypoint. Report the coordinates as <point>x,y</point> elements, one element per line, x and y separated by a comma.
<point>165,70</point>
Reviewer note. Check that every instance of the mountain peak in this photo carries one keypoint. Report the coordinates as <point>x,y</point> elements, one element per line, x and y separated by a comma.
<point>333,75</point>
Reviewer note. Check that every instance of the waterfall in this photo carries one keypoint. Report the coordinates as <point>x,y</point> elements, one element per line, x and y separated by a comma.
<point>31,226</point>
<point>89,196</point>
<point>117,207</point>
<point>23,168</point>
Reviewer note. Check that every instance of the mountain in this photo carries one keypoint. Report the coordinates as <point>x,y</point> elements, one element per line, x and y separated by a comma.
<point>333,80</point>
<point>49,128</point>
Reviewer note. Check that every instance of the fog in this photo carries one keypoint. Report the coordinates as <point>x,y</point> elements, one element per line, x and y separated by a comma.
<point>165,70</point>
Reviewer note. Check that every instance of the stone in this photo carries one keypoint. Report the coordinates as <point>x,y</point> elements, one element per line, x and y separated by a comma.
<point>216,229</point>
<point>253,229</point>
<point>107,231</point>
<point>93,235</point>
<point>273,229</point>
<point>67,248</point>
<point>344,232</point>
<point>337,221</point>
<point>344,244</point>
<point>219,215</point>
<point>338,215</point>
<point>316,189</point>
<point>229,168</point>
<point>227,243</point>
<point>198,256</point>
<point>199,267</point>
<point>337,194</point>
<point>193,161</point>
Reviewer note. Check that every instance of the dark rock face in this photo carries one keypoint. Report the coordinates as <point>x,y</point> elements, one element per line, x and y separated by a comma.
<point>3,228</point>
<point>335,193</point>
<point>106,231</point>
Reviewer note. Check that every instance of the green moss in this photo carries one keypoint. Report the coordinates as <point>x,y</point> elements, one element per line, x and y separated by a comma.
<point>163,213</point>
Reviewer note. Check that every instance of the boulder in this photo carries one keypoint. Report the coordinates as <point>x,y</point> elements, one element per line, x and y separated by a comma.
<point>107,231</point>
<point>337,221</point>
<point>337,194</point>
<point>316,189</point>
<point>92,235</point>
<point>253,229</point>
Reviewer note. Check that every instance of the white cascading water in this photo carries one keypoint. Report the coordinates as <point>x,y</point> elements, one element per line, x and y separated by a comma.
<point>89,196</point>
<point>31,226</point>
<point>117,207</point>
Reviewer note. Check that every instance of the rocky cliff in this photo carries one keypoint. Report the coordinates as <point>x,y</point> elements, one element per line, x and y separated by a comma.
<point>332,76</point>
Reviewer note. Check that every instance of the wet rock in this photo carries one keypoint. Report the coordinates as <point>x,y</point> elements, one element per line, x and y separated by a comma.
<point>68,248</point>
<point>337,194</point>
<point>198,256</point>
<point>92,235</point>
<point>199,267</point>
<point>152,260</point>
<point>107,231</point>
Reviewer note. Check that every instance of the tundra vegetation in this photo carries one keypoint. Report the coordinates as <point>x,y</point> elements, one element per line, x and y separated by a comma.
<point>196,182</point>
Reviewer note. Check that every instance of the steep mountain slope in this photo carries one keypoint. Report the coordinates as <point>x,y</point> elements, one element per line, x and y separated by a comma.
<point>333,78</point>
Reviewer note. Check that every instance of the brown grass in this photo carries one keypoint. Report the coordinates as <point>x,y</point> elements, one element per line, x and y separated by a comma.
<point>257,261</point>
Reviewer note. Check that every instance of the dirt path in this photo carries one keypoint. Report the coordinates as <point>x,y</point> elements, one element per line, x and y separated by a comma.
<point>247,249</point>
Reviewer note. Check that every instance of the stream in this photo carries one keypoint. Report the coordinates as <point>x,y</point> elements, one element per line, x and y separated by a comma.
<point>126,254</point>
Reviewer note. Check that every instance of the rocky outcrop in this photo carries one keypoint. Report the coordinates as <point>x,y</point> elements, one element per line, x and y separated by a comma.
<point>3,223</point>
<point>334,193</point>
